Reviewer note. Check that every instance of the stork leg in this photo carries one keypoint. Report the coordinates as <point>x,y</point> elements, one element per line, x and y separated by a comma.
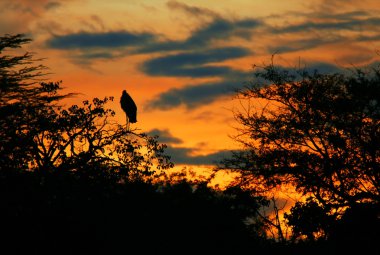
<point>127,125</point>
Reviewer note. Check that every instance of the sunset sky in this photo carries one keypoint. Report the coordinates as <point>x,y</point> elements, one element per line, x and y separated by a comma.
<point>181,61</point>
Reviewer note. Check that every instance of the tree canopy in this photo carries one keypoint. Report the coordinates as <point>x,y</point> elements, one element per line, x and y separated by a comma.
<point>74,181</point>
<point>40,135</point>
<point>319,133</point>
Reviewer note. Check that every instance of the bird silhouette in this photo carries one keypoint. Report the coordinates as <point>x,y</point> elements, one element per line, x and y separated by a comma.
<point>129,107</point>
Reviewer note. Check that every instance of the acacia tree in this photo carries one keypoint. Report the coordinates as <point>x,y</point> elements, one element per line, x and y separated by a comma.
<point>20,95</point>
<point>39,135</point>
<point>317,132</point>
<point>83,139</point>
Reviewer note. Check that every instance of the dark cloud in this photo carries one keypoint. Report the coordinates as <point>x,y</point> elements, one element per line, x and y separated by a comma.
<point>218,29</point>
<point>303,44</point>
<point>181,155</point>
<point>164,136</point>
<point>145,42</point>
<point>193,96</point>
<point>222,29</point>
<point>85,40</point>
<point>342,16</point>
<point>310,43</point>
<point>354,24</point>
<point>184,155</point>
<point>322,27</point>
<point>192,64</point>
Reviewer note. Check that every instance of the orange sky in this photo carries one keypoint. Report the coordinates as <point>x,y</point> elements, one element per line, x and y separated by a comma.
<point>182,60</point>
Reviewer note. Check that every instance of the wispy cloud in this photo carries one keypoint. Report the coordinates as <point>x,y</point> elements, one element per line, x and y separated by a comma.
<point>193,63</point>
<point>324,28</point>
<point>194,96</point>
<point>292,45</point>
<point>184,155</point>
<point>146,42</point>
<point>191,10</point>
<point>86,40</point>
<point>181,155</point>
<point>354,24</point>
<point>204,37</point>
<point>164,136</point>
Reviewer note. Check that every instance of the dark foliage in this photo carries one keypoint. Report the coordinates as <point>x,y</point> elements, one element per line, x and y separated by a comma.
<point>309,219</point>
<point>72,181</point>
<point>59,213</point>
<point>39,135</point>
<point>319,133</point>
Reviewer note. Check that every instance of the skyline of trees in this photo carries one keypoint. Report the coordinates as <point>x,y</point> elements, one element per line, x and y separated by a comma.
<point>316,132</point>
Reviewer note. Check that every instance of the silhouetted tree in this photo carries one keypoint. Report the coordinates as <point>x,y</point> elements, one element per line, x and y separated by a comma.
<point>309,219</point>
<point>317,132</point>
<point>24,99</point>
<point>37,134</point>
<point>73,181</point>
<point>81,138</point>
